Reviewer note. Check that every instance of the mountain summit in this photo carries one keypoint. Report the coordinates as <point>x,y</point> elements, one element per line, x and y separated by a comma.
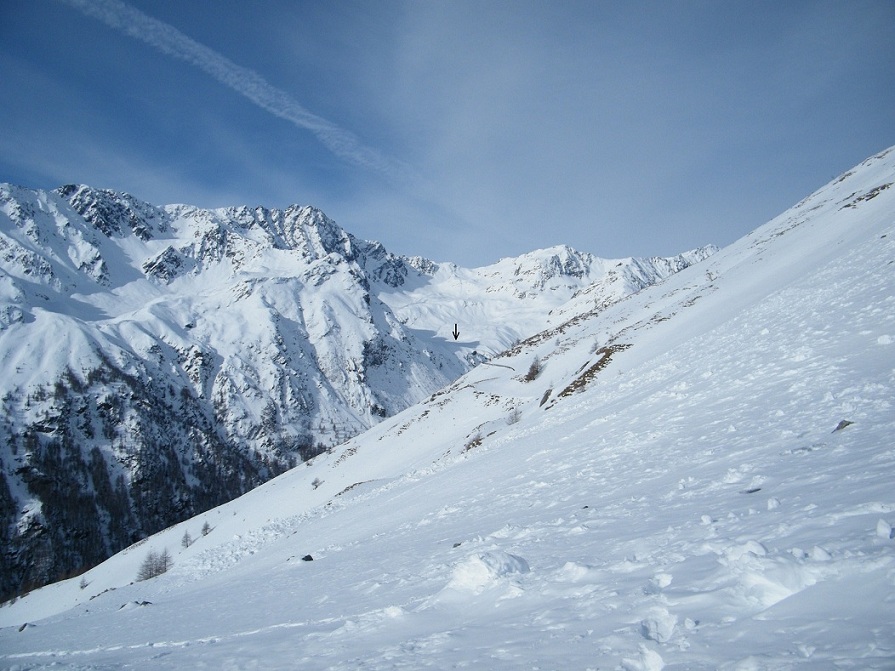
<point>159,361</point>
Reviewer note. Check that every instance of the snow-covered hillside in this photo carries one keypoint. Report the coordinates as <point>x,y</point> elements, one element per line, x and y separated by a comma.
<point>158,361</point>
<point>699,477</point>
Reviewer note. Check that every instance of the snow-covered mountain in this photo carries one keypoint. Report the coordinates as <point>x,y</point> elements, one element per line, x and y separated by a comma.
<point>158,361</point>
<point>699,476</point>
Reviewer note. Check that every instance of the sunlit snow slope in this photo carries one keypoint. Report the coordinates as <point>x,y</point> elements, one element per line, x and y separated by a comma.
<point>156,362</point>
<point>700,477</point>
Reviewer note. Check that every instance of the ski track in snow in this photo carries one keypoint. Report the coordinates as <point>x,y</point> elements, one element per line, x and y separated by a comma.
<point>696,507</point>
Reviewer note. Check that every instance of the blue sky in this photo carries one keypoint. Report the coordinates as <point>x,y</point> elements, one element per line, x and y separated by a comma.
<point>461,131</point>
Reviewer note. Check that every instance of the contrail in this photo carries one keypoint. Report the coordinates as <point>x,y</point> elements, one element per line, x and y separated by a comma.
<point>167,39</point>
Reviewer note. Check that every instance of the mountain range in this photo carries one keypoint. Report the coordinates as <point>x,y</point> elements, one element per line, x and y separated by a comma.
<point>695,476</point>
<point>156,362</point>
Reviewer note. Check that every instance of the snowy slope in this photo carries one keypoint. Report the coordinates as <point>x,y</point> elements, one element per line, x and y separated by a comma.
<point>678,488</point>
<point>158,361</point>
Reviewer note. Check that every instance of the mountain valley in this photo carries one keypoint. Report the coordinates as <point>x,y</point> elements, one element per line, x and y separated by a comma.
<point>159,361</point>
<point>696,475</point>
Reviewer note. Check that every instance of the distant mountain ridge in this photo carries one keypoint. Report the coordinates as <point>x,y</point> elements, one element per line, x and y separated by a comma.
<point>160,360</point>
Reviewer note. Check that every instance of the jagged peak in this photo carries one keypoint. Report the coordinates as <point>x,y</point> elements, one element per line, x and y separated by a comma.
<point>547,263</point>
<point>678,261</point>
<point>114,212</point>
<point>561,252</point>
<point>303,228</point>
<point>421,264</point>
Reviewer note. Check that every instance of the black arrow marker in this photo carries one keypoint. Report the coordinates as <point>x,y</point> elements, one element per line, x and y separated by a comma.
<point>456,333</point>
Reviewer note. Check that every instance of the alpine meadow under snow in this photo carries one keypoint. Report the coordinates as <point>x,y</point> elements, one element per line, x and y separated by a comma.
<point>696,476</point>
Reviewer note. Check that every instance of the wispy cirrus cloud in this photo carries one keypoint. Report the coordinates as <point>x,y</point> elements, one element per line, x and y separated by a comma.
<point>248,83</point>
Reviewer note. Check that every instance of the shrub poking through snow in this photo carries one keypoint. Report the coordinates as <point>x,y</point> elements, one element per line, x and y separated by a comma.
<point>206,528</point>
<point>533,370</point>
<point>585,378</point>
<point>154,565</point>
<point>474,441</point>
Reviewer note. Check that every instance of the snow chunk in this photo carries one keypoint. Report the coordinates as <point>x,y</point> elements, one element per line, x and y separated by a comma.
<point>820,554</point>
<point>753,548</point>
<point>658,625</point>
<point>660,581</point>
<point>649,660</point>
<point>480,571</point>
<point>884,529</point>
<point>575,572</point>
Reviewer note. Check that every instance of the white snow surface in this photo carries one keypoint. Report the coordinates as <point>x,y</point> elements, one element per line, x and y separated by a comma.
<point>678,490</point>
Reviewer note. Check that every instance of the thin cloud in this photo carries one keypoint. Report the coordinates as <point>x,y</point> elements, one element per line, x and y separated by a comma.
<point>167,39</point>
